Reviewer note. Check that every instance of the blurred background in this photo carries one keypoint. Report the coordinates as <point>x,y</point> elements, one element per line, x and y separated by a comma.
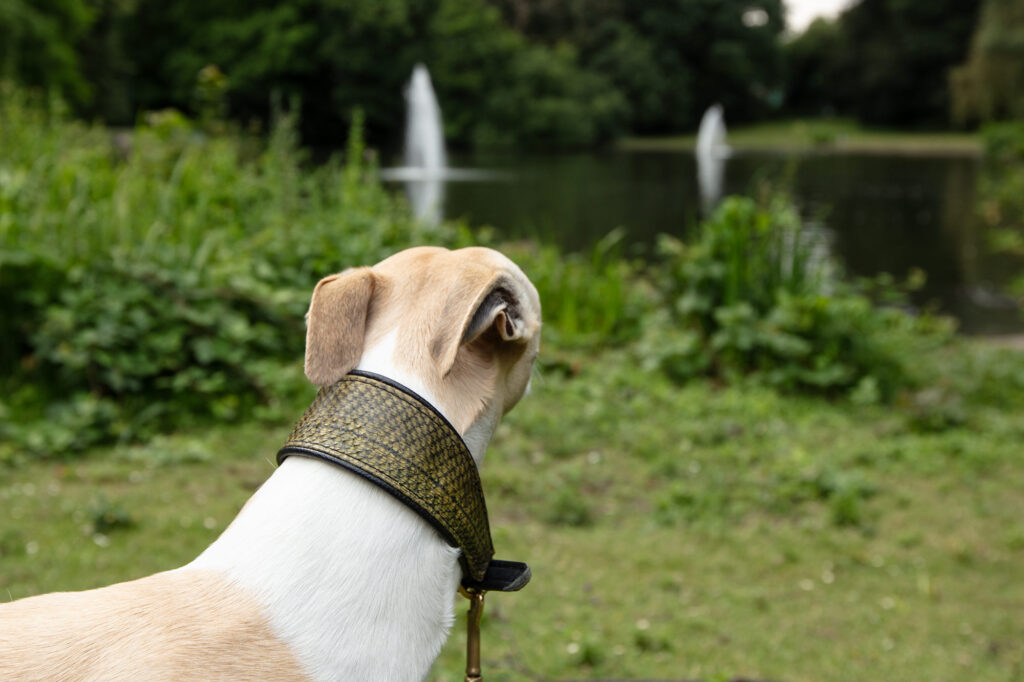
<point>779,248</point>
<point>584,106</point>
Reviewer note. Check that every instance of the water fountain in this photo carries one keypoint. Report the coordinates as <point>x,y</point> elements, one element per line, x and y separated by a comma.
<point>424,155</point>
<point>426,170</point>
<point>424,136</point>
<point>711,152</point>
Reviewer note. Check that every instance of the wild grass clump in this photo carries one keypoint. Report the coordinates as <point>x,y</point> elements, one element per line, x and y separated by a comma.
<point>755,293</point>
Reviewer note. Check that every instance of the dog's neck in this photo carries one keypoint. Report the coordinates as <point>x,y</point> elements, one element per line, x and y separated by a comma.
<point>379,359</point>
<point>355,583</point>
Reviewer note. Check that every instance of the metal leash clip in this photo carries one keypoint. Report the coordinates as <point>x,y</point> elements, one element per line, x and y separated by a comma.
<point>473,616</point>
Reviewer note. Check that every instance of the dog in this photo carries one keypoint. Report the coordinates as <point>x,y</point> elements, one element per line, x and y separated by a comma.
<point>322,575</point>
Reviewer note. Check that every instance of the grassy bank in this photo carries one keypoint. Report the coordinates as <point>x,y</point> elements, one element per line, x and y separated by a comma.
<point>693,532</point>
<point>823,135</point>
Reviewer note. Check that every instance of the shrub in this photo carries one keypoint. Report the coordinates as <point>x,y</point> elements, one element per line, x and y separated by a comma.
<point>1001,202</point>
<point>1004,141</point>
<point>590,299</point>
<point>165,279</point>
<point>757,294</point>
<point>162,277</point>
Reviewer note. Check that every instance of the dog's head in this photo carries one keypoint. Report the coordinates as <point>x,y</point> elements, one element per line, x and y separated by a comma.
<point>464,324</point>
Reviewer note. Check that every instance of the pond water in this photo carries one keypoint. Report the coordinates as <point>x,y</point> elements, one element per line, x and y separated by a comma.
<point>881,213</point>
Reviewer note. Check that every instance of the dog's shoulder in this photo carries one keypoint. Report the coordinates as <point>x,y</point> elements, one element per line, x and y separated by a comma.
<point>173,625</point>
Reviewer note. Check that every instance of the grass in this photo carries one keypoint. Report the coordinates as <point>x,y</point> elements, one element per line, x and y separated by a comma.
<point>833,135</point>
<point>674,532</point>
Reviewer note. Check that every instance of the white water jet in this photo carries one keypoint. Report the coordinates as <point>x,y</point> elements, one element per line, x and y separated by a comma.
<point>424,135</point>
<point>425,170</point>
<point>424,147</point>
<point>711,152</point>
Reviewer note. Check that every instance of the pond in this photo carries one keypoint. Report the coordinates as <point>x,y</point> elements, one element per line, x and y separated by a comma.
<point>881,213</point>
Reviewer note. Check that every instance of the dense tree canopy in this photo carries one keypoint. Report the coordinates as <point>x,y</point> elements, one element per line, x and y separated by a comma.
<point>812,66</point>
<point>514,72</point>
<point>886,62</point>
<point>990,85</point>
<point>38,44</point>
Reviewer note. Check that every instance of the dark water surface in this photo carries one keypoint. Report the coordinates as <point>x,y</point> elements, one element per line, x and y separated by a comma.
<point>883,213</point>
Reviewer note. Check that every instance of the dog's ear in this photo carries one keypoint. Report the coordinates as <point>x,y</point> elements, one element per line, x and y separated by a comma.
<point>336,325</point>
<point>481,300</point>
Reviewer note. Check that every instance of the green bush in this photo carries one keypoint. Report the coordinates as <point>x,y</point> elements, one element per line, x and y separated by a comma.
<point>590,299</point>
<point>757,294</point>
<point>160,278</point>
<point>1001,201</point>
<point>1004,141</point>
<point>164,278</point>
<point>549,101</point>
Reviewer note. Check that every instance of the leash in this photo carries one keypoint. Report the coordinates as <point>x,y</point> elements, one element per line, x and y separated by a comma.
<point>380,430</point>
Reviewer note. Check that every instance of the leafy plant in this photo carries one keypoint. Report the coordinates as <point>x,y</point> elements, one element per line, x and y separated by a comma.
<point>588,298</point>
<point>164,279</point>
<point>756,293</point>
<point>1001,201</point>
<point>1004,141</point>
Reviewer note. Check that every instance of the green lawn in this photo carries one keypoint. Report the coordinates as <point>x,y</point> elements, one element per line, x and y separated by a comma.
<point>674,532</point>
<point>833,135</point>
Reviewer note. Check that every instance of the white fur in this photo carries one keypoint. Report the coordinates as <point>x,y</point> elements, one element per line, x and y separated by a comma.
<point>354,582</point>
<point>479,433</point>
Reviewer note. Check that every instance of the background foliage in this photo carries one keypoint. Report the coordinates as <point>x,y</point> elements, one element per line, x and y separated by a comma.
<point>1001,204</point>
<point>990,83</point>
<point>166,278</point>
<point>884,61</point>
<point>518,72</point>
<point>754,293</point>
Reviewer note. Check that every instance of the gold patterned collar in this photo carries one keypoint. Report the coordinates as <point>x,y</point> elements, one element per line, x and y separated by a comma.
<point>389,435</point>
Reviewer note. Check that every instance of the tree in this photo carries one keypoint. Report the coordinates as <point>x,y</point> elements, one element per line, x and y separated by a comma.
<point>670,58</point>
<point>333,57</point>
<point>731,60</point>
<point>569,72</point>
<point>105,64</point>
<point>811,69</point>
<point>990,84</point>
<point>893,56</point>
<point>38,41</point>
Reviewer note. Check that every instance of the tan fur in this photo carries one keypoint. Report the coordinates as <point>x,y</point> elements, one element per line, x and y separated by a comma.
<point>431,295</point>
<point>337,320</point>
<point>456,282</point>
<point>179,625</point>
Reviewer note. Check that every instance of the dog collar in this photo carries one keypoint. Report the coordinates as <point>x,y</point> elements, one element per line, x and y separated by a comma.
<point>389,435</point>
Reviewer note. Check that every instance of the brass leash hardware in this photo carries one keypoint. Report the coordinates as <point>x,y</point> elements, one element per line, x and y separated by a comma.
<point>476,610</point>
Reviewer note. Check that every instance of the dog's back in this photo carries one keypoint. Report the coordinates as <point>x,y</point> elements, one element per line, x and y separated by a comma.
<point>174,625</point>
